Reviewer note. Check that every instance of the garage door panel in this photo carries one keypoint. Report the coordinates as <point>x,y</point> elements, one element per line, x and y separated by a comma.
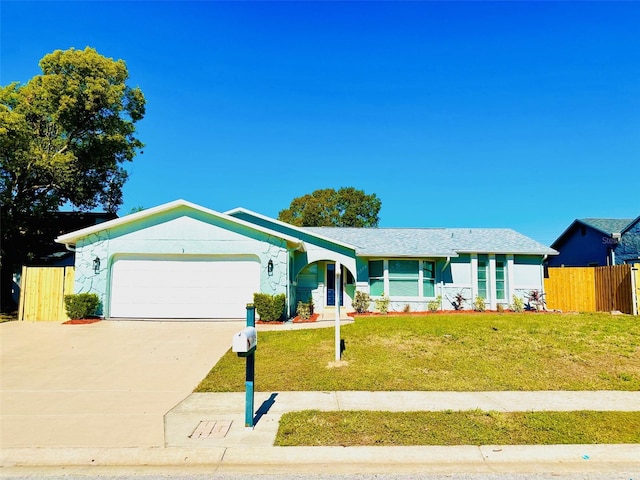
<point>211,287</point>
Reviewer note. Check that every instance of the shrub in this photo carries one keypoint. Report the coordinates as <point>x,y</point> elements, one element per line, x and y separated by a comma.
<point>517,304</point>
<point>500,307</point>
<point>269,307</point>
<point>382,304</point>
<point>535,300</point>
<point>458,301</point>
<point>478,304</point>
<point>305,310</point>
<point>435,305</point>
<point>361,302</point>
<point>81,305</point>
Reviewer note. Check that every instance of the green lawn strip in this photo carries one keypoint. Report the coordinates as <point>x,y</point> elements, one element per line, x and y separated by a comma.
<point>372,428</point>
<point>8,317</point>
<point>447,352</point>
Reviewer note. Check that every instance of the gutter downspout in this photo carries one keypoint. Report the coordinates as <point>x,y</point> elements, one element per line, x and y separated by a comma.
<point>446,264</point>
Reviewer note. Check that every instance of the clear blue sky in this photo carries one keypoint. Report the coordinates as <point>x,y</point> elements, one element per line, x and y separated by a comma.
<point>506,114</point>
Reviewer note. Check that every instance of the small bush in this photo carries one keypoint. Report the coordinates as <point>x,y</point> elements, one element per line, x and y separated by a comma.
<point>81,305</point>
<point>382,304</point>
<point>361,302</point>
<point>535,301</point>
<point>500,307</point>
<point>269,307</point>
<point>305,310</point>
<point>479,305</point>
<point>517,304</point>
<point>435,305</point>
<point>407,308</point>
<point>458,301</point>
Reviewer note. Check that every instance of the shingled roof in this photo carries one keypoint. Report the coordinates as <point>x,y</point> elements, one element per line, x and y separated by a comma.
<point>433,242</point>
<point>607,225</point>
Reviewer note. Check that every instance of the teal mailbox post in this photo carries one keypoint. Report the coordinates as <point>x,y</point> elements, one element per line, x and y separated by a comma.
<point>244,344</point>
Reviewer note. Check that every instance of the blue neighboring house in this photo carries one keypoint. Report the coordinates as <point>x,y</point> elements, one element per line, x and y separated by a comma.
<point>594,242</point>
<point>184,261</point>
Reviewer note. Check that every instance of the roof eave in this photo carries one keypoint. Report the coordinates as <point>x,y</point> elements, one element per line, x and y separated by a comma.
<point>70,239</point>
<point>288,225</point>
<point>511,252</point>
<point>406,255</point>
<point>631,224</point>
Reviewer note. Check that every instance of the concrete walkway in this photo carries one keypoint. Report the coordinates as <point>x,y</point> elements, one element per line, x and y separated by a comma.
<point>206,431</point>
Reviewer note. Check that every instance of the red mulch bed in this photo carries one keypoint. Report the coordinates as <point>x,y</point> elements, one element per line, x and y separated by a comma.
<point>439,312</point>
<point>82,321</point>
<point>311,319</point>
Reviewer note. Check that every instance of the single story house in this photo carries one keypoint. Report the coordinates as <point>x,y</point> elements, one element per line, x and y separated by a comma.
<point>593,242</point>
<point>180,260</point>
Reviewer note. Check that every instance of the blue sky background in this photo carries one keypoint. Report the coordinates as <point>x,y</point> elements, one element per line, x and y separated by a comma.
<point>456,114</point>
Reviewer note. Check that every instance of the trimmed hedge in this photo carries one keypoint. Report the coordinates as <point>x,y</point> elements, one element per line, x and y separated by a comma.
<point>269,307</point>
<point>81,305</point>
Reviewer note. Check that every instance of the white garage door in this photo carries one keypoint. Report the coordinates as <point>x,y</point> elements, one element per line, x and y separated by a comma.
<point>197,287</point>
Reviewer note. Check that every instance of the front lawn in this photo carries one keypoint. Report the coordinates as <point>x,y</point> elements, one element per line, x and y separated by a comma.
<point>447,352</point>
<point>365,428</point>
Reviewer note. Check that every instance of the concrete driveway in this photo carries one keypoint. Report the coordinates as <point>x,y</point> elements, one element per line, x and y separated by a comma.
<point>106,384</point>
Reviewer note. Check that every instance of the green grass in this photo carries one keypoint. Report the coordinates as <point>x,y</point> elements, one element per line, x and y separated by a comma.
<point>8,317</point>
<point>447,352</point>
<point>366,428</point>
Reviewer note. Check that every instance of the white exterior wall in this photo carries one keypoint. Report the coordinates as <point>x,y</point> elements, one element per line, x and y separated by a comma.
<point>173,237</point>
<point>520,278</point>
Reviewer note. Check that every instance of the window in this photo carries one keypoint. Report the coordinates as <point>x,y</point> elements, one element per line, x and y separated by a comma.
<point>482,278</point>
<point>406,278</point>
<point>500,280</point>
<point>376,277</point>
<point>403,278</point>
<point>428,279</point>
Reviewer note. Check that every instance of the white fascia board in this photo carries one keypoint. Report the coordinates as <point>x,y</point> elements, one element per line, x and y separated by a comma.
<point>509,252</point>
<point>73,237</point>
<point>396,255</point>
<point>288,225</point>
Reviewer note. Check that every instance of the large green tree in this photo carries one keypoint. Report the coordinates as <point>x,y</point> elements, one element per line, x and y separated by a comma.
<point>64,138</point>
<point>347,207</point>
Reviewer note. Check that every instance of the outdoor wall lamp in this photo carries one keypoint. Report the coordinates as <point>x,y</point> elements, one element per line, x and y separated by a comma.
<point>270,268</point>
<point>96,265</point>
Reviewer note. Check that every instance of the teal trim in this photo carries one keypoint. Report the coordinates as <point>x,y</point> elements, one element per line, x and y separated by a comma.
<point>294,232</point>
<point>527,260</point>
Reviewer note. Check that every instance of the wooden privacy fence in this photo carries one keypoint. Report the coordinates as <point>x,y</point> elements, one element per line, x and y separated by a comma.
<point>593,289</point>
<point>570,289</point>
<point>42,291</point>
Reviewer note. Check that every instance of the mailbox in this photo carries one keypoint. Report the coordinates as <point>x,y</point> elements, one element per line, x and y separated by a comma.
<point>245,341</point>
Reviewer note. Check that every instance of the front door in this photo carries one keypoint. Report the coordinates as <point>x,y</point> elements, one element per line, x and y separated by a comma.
<point>331,286</point>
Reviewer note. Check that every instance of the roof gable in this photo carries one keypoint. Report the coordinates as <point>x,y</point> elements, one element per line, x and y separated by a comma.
<point>607,225</point>
<point>632,223</point>
<point>279,225</point>
<point>144,215</point>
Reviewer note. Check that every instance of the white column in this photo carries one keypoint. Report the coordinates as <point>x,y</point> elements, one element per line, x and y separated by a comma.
<point>474,277</point>
<point>509,279</point>
<point>491,282</point>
